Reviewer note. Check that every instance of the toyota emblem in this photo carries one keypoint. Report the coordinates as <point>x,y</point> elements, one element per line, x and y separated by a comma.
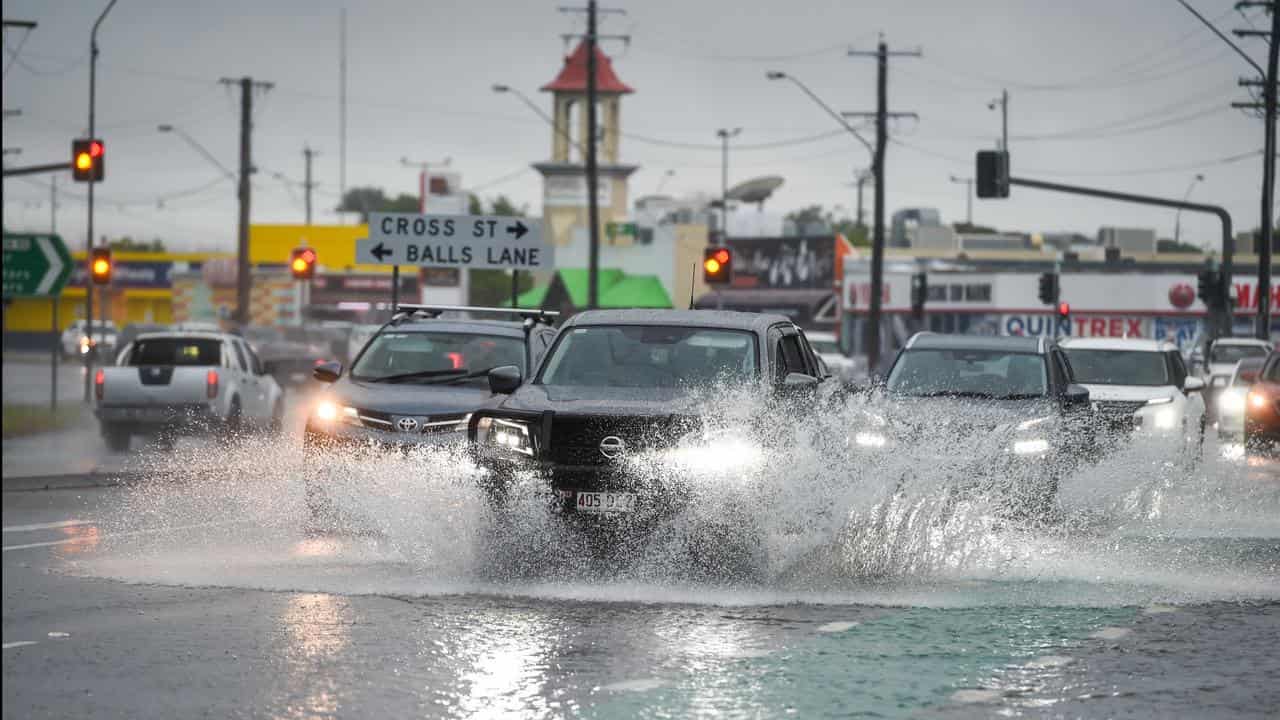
<point>612,446</point>
<point>407,424</point>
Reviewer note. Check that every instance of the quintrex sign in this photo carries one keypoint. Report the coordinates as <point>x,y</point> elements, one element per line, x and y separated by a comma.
<point>475,241</point>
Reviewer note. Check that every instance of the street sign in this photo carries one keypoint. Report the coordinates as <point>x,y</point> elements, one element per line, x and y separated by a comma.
<point>472,241</point>
<point>623,229</point>
<point>35,265</point>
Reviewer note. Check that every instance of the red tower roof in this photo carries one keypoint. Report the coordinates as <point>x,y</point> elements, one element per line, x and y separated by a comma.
<point>573,76</point>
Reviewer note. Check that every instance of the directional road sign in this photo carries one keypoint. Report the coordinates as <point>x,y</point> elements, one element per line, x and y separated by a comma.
<point>35,265</point>
<point>474,241</point>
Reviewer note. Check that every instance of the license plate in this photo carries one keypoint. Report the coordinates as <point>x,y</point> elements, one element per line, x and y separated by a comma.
<point>605,502</point>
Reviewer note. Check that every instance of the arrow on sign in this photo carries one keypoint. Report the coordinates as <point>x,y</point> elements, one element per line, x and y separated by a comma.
<point>381,252</point>
<point>519,229</point>
<point>55,266</point>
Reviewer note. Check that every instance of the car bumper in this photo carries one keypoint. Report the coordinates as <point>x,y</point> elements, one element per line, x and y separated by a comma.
<point>156,417</point>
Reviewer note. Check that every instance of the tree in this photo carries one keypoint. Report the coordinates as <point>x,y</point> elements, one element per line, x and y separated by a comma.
<point>365,200</point>
<point>128,244</point>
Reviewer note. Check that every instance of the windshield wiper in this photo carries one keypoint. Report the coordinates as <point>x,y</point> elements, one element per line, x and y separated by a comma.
<point>460,378</point>
<point>955,393</point>
<point>1020,396</point>
<point>414,375</point>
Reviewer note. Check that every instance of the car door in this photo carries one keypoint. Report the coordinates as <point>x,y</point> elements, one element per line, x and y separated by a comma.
<point>269,391</point>
<point>250,394</point>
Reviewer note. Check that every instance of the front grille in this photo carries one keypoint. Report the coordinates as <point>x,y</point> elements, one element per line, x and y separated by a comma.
<point>1116,409</point>
<point>576,441</point>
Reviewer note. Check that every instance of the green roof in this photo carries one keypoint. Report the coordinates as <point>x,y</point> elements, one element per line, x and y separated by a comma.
<point>616,289</point>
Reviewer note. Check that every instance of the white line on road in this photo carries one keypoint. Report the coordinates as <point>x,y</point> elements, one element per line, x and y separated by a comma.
<point>20,643</point>
<point>174,528</point>
<point>46,526</point>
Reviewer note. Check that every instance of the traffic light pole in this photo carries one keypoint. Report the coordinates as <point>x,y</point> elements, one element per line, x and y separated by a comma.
<point>1221,324</point>
<point>88,295</point>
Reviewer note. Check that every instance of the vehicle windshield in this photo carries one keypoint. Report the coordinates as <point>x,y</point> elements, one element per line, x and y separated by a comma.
<point>427,355</point>
<point>650,356</point>
<point>971,373</point>
<point>176,351</point>
<point>1235,353</point>
<point>1246,373</point>
<point>1119,367</point>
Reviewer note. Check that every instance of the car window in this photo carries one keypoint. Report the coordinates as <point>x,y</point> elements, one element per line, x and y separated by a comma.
<point>1272,371</point>
<point>1120,367</point>
<point>649,356</point>
<point>239,350</point>
<point>816,369</point>
<point>981,373</point>
<point>1061,374</point>
<point>1177,370</point>
<point>254,361</point>
<point>176,351</point>
<point>1232,354</point>
<point>792,356</point>
<point>436,353</point>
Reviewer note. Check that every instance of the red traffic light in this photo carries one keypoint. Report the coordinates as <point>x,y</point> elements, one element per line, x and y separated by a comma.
<point>717,265</point>
<point>1064,309</point>
<point>88,158</point>
<point>302,263</point>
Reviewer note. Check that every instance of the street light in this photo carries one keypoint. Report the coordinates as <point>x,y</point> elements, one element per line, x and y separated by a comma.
<point>1177,222</point>
<point>724,134</point>
<point>499,88</point>
<point>968,197</point>
<point>778,75</point>
<point>166,128</point>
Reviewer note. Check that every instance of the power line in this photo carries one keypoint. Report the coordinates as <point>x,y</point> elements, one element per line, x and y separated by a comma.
<point>752,146</point>
<point>500,180</point>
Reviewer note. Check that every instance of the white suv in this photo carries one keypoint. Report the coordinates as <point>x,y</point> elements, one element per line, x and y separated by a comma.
<point>1139,387</point>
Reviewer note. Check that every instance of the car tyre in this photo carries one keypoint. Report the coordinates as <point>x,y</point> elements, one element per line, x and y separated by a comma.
<point>117,439</point>
<point>232,425</point>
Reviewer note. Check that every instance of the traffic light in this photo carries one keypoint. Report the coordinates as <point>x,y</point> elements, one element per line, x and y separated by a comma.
<point>1049,288</point>
<point>1208,287</point>
<point>100,266</point>
<point>919,293</point>
<point>993,174</point>
<point>302,263</point>
<point>1064,310</point>
<point>88,160</point>
<point>717,265</point>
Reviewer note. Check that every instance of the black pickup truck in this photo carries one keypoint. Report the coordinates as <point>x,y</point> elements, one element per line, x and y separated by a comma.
<point>621,388</point>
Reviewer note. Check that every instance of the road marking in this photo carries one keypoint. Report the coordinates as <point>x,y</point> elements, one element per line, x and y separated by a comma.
<point>20,643</point>
<point>68,541</point>
<point>46,526</point>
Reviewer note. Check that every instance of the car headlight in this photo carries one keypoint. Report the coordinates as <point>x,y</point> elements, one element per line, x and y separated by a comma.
<point>870,439</point>
<point>716,452</point>
<point>1257,400</point>
<point>1160,401</point>
<point>1165,418</point>
<point>1232,402</point>
<point>329,411</point>
<point>503,434</point>
<point>1031,446</point>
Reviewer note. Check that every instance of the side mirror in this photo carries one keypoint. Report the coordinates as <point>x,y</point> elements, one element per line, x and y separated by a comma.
<point>327,372</point>
<point>504,380</point>
<point>799,383</point>
<point>1192,384</point>
<point>1075,396</point>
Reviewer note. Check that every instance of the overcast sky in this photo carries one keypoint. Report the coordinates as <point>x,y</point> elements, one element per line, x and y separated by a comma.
<point>1129,95</point>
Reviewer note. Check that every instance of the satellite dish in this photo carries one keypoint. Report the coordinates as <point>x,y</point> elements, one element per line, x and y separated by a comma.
<point>756,190</point>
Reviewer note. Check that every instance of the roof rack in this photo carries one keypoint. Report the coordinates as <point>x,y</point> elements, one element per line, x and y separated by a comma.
<point>405,311</point>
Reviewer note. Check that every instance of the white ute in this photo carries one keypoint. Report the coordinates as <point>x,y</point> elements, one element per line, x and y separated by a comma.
<point>175,383</point>
<point>1139,387</point>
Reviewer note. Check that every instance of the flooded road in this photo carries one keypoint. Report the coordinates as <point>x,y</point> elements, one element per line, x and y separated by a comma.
<point>203,586</point>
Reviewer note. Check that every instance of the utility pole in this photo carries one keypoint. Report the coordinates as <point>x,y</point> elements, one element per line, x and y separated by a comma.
<point>863,177</point>
<point>243,281</point>
<point>88,294</point>
<point>882,114</point>
<point>1003,102</point>
<point>307,184</point>
<point>968,197</point>
<point>724,135</point>
<point>592,38</point>
<point>1268,81</point>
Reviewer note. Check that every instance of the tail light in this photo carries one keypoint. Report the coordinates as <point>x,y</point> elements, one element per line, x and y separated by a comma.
<point>99,383</point>
<point>211,384</point>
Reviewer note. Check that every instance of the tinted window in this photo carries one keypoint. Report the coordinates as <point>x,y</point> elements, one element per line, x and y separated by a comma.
<point>792,356</point>
<point>649,356</point>
<point>1119,367</point>
<point>1177,369</point>
<point>1235,353</point>
<point>400,353</point>
<point>985,373</point>
<point>176,351</point>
